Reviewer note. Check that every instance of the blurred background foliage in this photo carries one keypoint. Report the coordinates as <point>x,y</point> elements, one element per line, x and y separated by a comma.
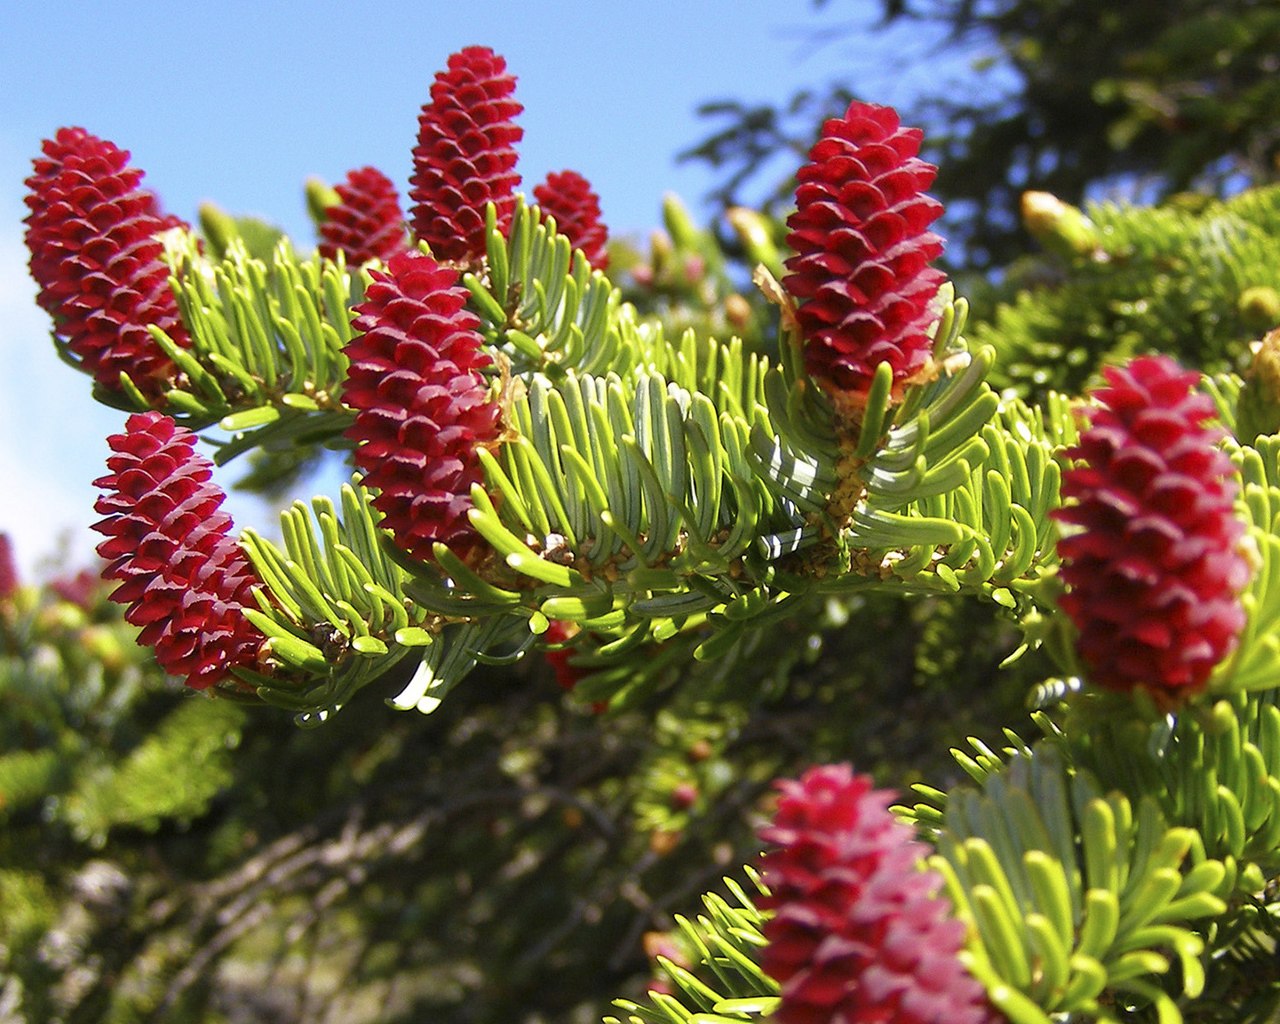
<point>1080,98</point>
<point>168,857</point>
<point>519,855</point>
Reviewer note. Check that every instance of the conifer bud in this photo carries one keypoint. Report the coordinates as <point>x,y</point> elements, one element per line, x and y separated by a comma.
<point>737,310</point>
<point>92,233</point>
<point>365,223</point>
<point>320,196</point>
<point>858,933</point>
<point>422,405</point>
<point>1155,571</point>
<point>1258,407</point>
<point>680,227</point>
<point>182,575</point>
<point>218,227</point>
<point>860,273</point>
<point>683,796</point>
<point>756,238</point>
<point>1058,226</point>
<point>465,157</point>
<point>1259,307</point>
<point>568,197</point>
<point>1265,367</point>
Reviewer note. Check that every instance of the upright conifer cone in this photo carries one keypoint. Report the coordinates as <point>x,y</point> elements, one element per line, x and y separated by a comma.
<point>367,224</point>
<point>1155,572</point>
<point>465,157</point>
<point>92,233</point>
<point>422,406</point>
<point>183,576</point>
<point>859,935</point>
<point>861,273</point>
<point>568,197</point>
<point>8,569</point>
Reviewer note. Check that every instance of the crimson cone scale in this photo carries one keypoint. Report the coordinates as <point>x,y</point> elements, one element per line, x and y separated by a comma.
<point>568,197</point>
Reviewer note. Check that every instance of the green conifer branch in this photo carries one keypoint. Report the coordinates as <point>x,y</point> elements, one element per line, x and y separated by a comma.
<point>542,305</point>
<point>26,776</point>
<point>1077,897</point>
<point>723,984</point>
<point>460,647</point>
<point>1198,284</point>
<point>989,513</point>
<point>139,790</point>
<point>333,604</point>
<point>266,358</point>
<point>1256,660</point>
<point>635,507</point>
<point>643,505</point>
<point>1217,771</point>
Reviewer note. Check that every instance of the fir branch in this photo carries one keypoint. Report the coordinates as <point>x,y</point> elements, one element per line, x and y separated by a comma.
<point>1067,925</point>
<point>542,304</point>
<point>333,604</point>
<point>139,790</point>
<point>266,357</point>
<point>1197,284</point>
<point>725,984</point>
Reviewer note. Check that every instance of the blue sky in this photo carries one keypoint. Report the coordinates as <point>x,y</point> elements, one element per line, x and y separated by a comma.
<point>241,102</point>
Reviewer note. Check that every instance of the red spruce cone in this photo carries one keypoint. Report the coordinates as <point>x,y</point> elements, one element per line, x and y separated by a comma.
<point>8,569</point>
<point>858,933</point>
<point>367,224</point>
<point>568,198</point>
<point>422,406</point>
<point>1155,573</point>
<point>860,272</point>
<point>46,256</point>
<point>465,157</point>
<point>77,588</point>
<point>95,255</point>
<point>185,580</point>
